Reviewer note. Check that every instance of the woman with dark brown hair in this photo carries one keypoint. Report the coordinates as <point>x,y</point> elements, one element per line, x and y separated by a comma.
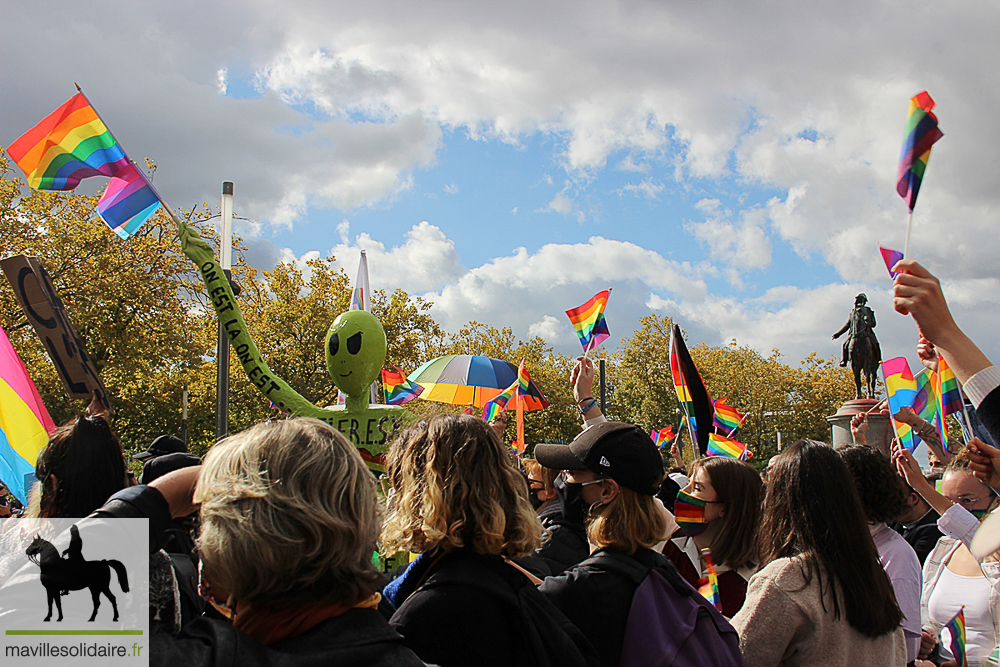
<point>732,493</point>
<point>821,596</point>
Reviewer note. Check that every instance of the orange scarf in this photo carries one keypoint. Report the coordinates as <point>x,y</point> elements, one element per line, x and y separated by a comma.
<point>269,626</point>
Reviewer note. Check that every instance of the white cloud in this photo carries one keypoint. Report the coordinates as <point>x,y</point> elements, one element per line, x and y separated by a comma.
<point>222,84</point>
<point>451,189</point>
<point>647,188</point>
<point>742,244</point>
<point>549,328</point>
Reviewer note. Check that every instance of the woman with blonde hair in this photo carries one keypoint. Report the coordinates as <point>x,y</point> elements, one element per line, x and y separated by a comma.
<point>289,522</point>
<point>459,502</point>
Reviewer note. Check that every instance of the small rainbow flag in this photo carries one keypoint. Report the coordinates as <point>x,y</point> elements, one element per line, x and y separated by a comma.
<point>499,403</point>
<point>523,379</point>
<point>925,401</point>
<point>956,628</point>
<point>890,257</point>
<point>709,586</point>
<point>720,445</point>
<point>727,418</point>
<point>951,392</point>
<point>589,322</point>
<point>25,424</point>
<point>127,202</point>
<point>902,390</point>
<point>662,437</point>
<point>397,389</point>
<point>921,133</point>
<point>70,144</point>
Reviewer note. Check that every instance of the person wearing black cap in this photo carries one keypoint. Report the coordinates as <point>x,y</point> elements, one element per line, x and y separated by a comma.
<point>614,470</point>
<point>161,445</point>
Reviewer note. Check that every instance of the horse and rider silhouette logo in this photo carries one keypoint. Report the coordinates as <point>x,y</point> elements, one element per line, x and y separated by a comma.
<point>71,572</point>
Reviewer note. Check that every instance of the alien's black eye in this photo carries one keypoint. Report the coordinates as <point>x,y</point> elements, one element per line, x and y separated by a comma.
<point>334,344</point>
<point>354,343</point>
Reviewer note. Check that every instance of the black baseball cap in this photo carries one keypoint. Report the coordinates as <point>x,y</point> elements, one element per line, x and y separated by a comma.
<point>164,444</point>
<point>161,465</point>
<point>623,452</point>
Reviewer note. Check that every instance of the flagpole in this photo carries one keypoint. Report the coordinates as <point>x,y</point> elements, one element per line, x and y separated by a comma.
<point>737,426</point>
<point>586,350</point>
<point>909,228</point>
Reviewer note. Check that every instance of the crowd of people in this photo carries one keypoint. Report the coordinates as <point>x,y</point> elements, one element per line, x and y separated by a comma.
<point>593,553</point>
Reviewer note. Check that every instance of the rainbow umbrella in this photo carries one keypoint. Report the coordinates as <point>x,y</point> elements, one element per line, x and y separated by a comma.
<point>471,379</point>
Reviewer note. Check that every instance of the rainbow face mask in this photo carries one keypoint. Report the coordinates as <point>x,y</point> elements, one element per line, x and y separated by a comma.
<point>689,512</point>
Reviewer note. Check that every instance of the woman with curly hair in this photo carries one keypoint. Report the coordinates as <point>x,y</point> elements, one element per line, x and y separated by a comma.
<point>883,498</point>
<point>459,502</point>
<point>732,493</point>
<point>821,596</point>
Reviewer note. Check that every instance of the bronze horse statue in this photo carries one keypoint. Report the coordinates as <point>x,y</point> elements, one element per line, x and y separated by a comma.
<point>861,348</point>
<point>73,573</point>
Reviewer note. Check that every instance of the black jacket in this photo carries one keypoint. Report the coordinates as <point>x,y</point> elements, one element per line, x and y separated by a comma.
<point>357,638</point>
<point>475,609</point>
<point>598,598</point>
<point>922,535</point>
<point>565,543</point>
<point>989,413</point>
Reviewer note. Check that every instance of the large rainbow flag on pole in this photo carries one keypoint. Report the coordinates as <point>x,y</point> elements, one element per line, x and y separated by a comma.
<point>902,390</point>
<point>588,321</point>
<point>73,143</point>
<point>693,397</point>
<point>920,134</point>
<point>25,424</point>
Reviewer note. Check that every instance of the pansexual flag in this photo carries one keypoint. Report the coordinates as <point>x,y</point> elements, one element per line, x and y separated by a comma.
<point>720,445</point>
<point>662,437</point>
<point>127,202</point>
<point>890,257</point>
<point>588,321</point>
<point>727,418</point>
<point>692,395</point>
<point>67,146</point>
<point>499,403</point>
<point>25,424</point>
<point>398,390</point>
<point>920,134</point>
<point>902,390</point>
<point>956,628</point>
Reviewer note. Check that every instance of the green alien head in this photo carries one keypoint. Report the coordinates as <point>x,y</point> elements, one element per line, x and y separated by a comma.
<point>355,351</point>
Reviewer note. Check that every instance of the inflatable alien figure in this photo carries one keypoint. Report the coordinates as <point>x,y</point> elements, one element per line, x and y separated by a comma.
<point>355,353</point>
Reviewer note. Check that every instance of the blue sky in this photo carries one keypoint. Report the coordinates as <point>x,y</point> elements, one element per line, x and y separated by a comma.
<point>729,164</point>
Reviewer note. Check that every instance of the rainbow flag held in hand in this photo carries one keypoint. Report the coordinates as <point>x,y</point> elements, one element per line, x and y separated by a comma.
<point>693,397</point>
<point>397,389</point>
<point>921,133</point>
<point>902,390</point>
<point>499,403</point>
<point>709,585</point>
<point>720,445</point>
<point>588,321</point>
<point>956,628</point>
<point>890,257</point>
<point>25,424</point>
<point>727,418</point>
<point>951,392</point>
<point>662,437</point>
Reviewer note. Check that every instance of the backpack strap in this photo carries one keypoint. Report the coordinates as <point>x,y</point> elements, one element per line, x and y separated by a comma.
<point>637,571</point>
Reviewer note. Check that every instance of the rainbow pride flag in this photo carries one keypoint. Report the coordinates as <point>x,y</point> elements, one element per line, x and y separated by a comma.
<point>499,403</point>
<point>709,585</point>
<point>588,321</point>
<point>127,202</point>
<point>925,401</point>
<point>662,437</point>
<point>921,133</point>
<point>67,146</point>
<point>727,418</point>
<point>890,257</point>
<point>397,389</point>
<point>956,628</point>
<point>951,392</point>
<point>523,379</point>
<point>902,390</point>
<point>720,445</point>
<point>25,424</point>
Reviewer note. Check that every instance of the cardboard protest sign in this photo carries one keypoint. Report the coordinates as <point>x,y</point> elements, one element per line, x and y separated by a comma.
<point>46,314</point>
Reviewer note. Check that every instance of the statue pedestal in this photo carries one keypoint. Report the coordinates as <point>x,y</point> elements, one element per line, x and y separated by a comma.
<point>879,433</point>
